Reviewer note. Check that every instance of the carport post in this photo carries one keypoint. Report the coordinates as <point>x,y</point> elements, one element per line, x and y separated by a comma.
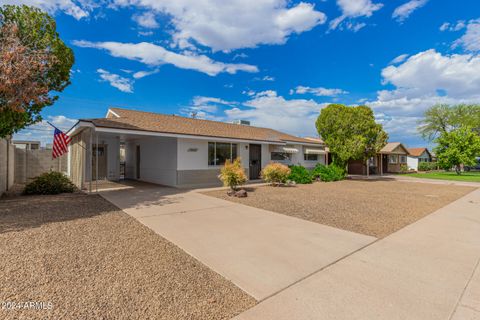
<point>91,155</point>
<point>96,162</point>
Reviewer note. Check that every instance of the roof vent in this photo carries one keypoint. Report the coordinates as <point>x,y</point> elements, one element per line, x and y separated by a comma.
<point>243,122</point>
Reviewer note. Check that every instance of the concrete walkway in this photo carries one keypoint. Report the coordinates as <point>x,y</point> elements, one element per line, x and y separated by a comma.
<point>428,270</point>
<point>260,251</point>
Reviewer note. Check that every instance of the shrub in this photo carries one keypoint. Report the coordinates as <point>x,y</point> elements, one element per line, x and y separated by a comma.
<point>328,173</point>
<point>427,166</point>
<point>50,183</point>
<point>232,174</point>
<point>403,168</point>
<point>300,175</point>
<point>275,173</point>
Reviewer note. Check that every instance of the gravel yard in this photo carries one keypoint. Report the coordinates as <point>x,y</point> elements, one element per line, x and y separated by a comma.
<point>375,208</point>
<point>92,261</point>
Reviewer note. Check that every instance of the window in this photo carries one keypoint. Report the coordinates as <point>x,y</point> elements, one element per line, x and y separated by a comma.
<point>393,158</point>
<point>403,159</point>
<point>310,157</point>
<point>219,152</point>
<point>280,156</point>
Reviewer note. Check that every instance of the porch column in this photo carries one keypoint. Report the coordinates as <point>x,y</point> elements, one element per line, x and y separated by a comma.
<point>381,164</point>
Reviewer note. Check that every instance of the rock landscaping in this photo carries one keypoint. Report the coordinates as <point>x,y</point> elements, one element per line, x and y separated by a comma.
<point>375,208</point>
<point>86,259</point>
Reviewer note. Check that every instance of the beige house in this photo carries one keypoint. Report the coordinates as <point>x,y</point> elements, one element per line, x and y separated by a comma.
<point>177,151</point>
<point>388,160</point>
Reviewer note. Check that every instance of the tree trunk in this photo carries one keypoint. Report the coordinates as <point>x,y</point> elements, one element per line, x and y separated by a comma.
<point>457,169</point>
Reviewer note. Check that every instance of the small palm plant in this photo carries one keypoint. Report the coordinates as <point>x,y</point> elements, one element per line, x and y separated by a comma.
<point>232,174</point>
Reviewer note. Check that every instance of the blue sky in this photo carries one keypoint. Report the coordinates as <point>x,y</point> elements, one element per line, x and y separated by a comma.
<point>273,62</point>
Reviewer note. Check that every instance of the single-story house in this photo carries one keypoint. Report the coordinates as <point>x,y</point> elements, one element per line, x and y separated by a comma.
<point>388,160</point>
<point>416,156</point>
<point>177,151</point>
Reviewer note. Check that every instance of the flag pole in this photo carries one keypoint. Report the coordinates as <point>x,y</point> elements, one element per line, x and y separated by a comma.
<point>62,131</point>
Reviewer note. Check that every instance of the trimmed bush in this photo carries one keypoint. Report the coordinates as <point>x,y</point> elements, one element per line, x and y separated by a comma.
<point>300,175</point>
<point>232,174</point>
<point>403,168</point>
<point>328,173</point>
<point>50,183</point>
<point>275,173</point>
<point>427,166</point>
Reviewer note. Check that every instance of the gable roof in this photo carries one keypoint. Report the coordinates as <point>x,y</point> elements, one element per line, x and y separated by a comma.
<point>118,118</point>
<point>393,147</point>
<point>417,152</point>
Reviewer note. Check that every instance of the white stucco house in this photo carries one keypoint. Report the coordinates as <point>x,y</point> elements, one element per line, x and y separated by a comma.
<point>177,151</point>
<point>416,156</point>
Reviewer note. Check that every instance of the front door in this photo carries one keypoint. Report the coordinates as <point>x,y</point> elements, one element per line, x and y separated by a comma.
<point>255,161</point>
<point>99,162</point>
<point>385,163</point>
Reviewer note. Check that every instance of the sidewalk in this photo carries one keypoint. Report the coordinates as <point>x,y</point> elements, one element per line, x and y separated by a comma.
<point>424,271</point>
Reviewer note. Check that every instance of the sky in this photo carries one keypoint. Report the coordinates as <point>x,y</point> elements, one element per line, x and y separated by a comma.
<point>276,63</point>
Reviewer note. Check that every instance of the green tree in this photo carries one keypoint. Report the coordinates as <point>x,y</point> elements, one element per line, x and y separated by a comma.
<point>350,132</point>
<point>34,63</point>
<point>457,147</point>
<point>443,118</point>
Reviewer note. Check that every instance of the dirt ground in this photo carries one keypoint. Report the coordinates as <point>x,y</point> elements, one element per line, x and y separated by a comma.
<point>371,207</point>
<point>83,258</point>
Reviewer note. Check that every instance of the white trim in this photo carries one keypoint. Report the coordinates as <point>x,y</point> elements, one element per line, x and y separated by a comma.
<point>78,126</point>
<point>290,150</point>
<point>314,151</point>
<point>112,112</point>
<point>304,143</point>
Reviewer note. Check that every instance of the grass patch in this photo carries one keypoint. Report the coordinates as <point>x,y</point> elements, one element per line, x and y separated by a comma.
<point>444,175</point>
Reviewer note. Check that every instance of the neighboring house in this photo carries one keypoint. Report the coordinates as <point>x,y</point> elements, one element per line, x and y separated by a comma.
<point>177,151</point>
<point>388,160</point>
<point>416,156</point>
<point>26,144</point>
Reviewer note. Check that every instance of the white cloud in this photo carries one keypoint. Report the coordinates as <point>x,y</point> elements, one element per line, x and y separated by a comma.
<point>399,59</point>
<point>146,20</point>
<point>155,55</point>
<point>235,24</point>
<point>142,74</point>
<point>470,41</point>
<point>428,78</point>
<point>459,25</point>
<point>201,100</point>
<point>145,33</point>
<point>76,9</point>
<point>239,56</point>
<point>267,109</point>
<point>444,26</point>
<point>42,131</point>
<point>116,81</point>
<point>401,13</point>
<point>354,9</point>
<point>320,91</point>
<point>206,107</point>
<point>268,78</point>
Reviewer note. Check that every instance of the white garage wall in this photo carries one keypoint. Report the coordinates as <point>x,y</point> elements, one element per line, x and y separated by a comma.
<point>192,154</point>
<point>412,163</point>
<point>158,160</point>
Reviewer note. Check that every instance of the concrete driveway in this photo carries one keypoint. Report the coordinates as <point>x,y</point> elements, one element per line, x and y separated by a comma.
<point>262,252</point>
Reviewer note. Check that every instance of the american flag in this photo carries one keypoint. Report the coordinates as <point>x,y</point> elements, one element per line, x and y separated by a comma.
<point>60,143</point>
